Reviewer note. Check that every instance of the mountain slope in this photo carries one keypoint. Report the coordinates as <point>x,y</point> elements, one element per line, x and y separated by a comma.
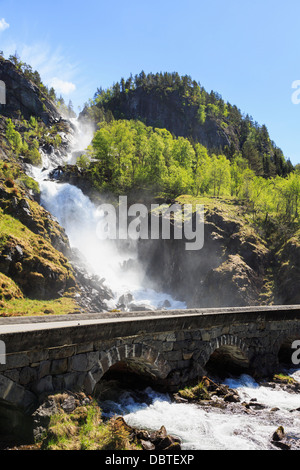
<point>39,272</point>
<point>183,107</point>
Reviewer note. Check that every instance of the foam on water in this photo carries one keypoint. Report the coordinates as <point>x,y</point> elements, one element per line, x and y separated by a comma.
<point>215,429</point>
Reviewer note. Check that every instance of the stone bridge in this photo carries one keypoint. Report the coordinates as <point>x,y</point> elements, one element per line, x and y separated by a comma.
<point>167,348</point>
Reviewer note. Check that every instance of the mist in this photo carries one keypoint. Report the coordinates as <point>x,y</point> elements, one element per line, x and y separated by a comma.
<point>116,262</point>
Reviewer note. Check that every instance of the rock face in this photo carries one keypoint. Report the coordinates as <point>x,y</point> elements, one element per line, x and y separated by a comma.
<point>166,111</point>
<point>288,273</point>
<point>228,271</point>
<point>24,97</point>
<point>33,247</point>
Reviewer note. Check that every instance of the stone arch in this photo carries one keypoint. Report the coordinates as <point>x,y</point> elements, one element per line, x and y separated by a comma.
<point>16,395</point>
<point>136,358</point>
<point>16,405</point>
<point>227,354</point>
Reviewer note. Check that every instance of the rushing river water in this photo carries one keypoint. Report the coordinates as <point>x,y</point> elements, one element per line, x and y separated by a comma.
<point>208,428</point>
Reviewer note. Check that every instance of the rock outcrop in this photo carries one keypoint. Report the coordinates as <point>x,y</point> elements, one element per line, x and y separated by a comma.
<point>228,271</point>
<point>288,271</point>
<point>24,98</point>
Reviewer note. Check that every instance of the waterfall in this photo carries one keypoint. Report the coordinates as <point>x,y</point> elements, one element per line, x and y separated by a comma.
<point>79,216</point>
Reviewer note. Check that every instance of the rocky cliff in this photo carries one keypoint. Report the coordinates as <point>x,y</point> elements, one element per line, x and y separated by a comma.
<point>230,269</point>
<point>39,272</point>
<point>23,97</point>
<point>167,112</point>
<point>236,266</point>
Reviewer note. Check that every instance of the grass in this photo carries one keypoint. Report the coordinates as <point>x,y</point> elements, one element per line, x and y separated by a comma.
<point>13,303</point>
<point>31,307</point>
<point>199,392</point>
<point>285,379</point>
<point>84,429</point>
<point>36,249</point>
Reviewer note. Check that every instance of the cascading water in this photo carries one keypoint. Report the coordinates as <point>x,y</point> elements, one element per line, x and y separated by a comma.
<point>79,217</point>
<point>210,428</point>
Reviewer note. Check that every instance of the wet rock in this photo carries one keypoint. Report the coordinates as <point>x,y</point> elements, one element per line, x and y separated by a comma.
<point>147,445</point>
<point>232,398</point>
<point>179,399</point>
<point>156,436</point>
<point>293,411</point>
<point>93,294</point>
<point>279,439</point>
<point>168,443</point>
<point>139,307</point>
<point>125,300</point>
<point>255,406</point>
<point>163,441</point>
<point>282,445</point>
<point>279,434</point>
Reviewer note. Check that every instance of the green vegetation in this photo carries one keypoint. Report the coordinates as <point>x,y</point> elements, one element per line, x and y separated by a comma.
<point>84,429</point>
<point>23,138</point>
<point>11,171</point>
<point>199,392</point>
<point>284,379</point>
<point>191,103</point>
<point>128,156</point>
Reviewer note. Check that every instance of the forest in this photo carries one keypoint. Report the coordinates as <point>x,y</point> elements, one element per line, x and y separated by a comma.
<point>189,102</point>
<point>127,156</point>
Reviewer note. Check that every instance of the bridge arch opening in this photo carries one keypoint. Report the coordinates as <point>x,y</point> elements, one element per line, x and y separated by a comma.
<point>132,372</point>
<point>227,360</point>
<point>15,426</point>
<point>131,368</point>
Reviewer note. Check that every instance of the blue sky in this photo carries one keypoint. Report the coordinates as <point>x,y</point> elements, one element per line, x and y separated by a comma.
<point>248,51</point>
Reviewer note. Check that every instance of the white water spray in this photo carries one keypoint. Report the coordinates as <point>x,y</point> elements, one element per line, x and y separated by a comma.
<point>79,217</point>
<point>209,428</point>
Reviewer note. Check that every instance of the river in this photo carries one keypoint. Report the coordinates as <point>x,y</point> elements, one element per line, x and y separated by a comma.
<point>203,427</point>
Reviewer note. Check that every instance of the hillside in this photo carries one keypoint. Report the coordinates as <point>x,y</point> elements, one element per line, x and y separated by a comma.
<point>39,273</point>
<point>185,108</point>
<point>154,143</point>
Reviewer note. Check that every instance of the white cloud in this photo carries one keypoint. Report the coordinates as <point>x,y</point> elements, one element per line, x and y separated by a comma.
<point>54,67</point>
<point>61,86</point>
<point>3,25</point>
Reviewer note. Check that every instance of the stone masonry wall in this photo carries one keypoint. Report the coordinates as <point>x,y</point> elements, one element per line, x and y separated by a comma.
<point>80,356</point>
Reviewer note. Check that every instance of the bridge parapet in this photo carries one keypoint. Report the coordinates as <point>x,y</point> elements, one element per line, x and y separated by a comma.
<point>168,348</point>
